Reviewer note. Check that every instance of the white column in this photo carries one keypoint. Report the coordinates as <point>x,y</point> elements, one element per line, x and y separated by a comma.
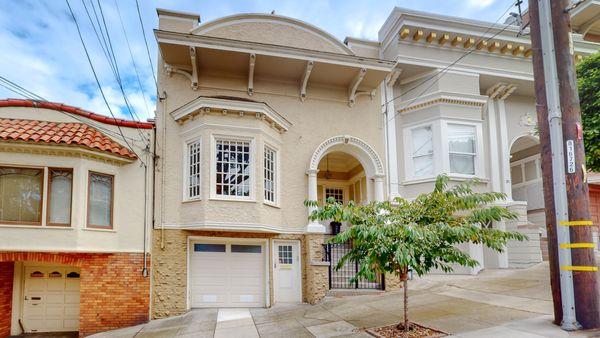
<point>391,142</point>
<point>378,194</point>
<point>493,136</point>
<point>504,151</point>
<point>313,226</point>
<point>502,256</point>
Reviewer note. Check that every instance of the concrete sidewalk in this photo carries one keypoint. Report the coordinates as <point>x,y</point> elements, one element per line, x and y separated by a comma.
<point>496,303</point>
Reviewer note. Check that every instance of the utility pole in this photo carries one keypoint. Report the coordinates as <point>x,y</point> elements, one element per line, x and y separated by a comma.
<point>556,84</point>
<point>546,158</point>
<point>584,261</point>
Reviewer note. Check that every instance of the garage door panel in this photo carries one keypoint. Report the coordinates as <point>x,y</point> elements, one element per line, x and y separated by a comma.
<point>233,278</point>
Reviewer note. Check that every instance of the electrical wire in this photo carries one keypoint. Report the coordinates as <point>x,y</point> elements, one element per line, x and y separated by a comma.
<point>137,4</point>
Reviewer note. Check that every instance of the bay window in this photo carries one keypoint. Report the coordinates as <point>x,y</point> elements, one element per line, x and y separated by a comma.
<point>100,200</point>
<point>21,195</point>
<point>60,186</point>
<point>462,149</point>
<point>270,172</point>
<point>232,168</point>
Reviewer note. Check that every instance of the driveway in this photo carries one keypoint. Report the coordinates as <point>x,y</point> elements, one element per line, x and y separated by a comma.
<point>496,303</point>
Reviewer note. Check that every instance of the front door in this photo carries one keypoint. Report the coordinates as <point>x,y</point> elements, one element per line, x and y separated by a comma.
<point>51,299</point>
<point>286,263</point>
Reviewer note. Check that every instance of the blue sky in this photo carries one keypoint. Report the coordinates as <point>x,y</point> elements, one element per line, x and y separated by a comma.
<point>42,52</point>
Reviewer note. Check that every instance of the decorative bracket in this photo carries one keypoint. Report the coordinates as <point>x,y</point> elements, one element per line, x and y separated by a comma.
<point>392,77</point>
<point>307,71</point>
<point>251,64</point>
<point>170,69</point>
<point>194,78</point>
<point>353,87</point>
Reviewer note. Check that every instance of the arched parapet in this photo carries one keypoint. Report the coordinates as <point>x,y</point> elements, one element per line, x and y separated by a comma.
<point>524,137</point>
<point>368,157</point>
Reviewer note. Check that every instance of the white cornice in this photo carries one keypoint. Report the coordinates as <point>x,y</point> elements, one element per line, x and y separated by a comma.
<point>62,150</point>
<point>272,50</point>
<point>442,97</point>
<point>233,226</point>
<point>261,110</point>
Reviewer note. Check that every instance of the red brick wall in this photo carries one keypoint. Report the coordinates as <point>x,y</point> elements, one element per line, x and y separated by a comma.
<point>6,283</point>
<point>113,292</point>
<point>595,204</point>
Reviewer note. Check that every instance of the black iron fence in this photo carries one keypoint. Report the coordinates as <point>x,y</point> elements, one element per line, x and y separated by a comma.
<point>342,278</point>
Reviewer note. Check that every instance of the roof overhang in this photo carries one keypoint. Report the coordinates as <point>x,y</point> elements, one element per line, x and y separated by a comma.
<point>585,18</point>
<point>191,55</point>
<point>231,106</point>
<point>63,150</point>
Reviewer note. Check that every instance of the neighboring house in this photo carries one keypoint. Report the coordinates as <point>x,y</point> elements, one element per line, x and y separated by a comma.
<point>473,119</point>
<point>73,213</point>
<point>257,113</point>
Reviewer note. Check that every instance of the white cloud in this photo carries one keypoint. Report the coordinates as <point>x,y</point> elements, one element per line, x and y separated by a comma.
<point>479,4</point>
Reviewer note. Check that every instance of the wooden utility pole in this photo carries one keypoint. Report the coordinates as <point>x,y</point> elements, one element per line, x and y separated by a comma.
<point>584,278</point>
<point>546,158</point>
<point>565,187</point>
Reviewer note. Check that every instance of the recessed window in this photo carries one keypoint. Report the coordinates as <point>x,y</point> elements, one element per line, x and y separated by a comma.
<point>422,151</point>
<point>246,248</point>
<point>100,200</point>
<point>285,254</point>
<point>193,170</point>
<point>335,193</point>
<point>73,274</point>
<point>462,148</point>
<point>36,274</point>
<point>270,163</point>
<point>209,247</point>
<point>60,187</point>
<point>233,170</point>
<point>54,274</point>
<point>21,195</point>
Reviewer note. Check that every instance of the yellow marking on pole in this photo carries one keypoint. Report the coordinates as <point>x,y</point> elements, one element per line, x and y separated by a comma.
<point>577,245</point>
<point>572,223</point>
<point>579,268</point>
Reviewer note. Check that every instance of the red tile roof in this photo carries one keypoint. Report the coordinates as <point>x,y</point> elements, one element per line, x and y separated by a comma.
<point>63,133</point>
<point>76,111</point>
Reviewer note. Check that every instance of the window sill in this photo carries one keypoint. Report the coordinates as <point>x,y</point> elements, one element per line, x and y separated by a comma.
<point>99,230</point>
<point>228,199</point>
<point>191,200</point>
<point>272,205</point>
<point>35,226</point>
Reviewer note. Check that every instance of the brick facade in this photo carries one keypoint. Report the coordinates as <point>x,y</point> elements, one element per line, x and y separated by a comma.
<point>6,283</point>
<point>113,292</point>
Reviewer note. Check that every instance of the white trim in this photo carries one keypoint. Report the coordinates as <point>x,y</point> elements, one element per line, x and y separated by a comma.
<point>479,149</point>
<point>408,146</point>
<point>186,169</point>
<point>234,226</point>
<point>277,174</point>
<point>263,241</point>
<point>274,252</point>
<point>213,164</point>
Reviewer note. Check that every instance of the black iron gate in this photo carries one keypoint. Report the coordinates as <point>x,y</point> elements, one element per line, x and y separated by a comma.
<point>341,278</point>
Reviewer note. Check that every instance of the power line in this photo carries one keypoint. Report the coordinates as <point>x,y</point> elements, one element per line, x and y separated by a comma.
<point>443,71</point>
<point>132,59</point>
<point>98,81</point>
<point>137,4</point>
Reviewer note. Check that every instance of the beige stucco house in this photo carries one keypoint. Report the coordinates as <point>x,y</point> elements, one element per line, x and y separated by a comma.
<point>259,112</point>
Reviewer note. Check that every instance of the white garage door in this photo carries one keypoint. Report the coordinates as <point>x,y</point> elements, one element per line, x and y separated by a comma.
<point>227,274</point>
<point>51,301</point>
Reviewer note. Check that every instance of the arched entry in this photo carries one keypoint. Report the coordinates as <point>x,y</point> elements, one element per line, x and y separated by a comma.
<point>526,172</point>
<point>358,149</point>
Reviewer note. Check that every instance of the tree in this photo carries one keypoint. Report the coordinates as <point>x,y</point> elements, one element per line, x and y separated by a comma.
<point>420,235</point>
<point>588,77</point>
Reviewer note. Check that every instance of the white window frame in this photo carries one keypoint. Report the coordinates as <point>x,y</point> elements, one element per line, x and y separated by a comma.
<point>478,158</point>
<point>276,172</point>
<point>521,164</point>
<point>409,149</point>
<point>186,169</point>
<point>213,167</point>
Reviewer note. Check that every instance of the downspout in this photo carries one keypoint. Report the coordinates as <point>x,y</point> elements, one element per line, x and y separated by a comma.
<point>387,137</point>
<point>145,269</point>
<point>163,99</point>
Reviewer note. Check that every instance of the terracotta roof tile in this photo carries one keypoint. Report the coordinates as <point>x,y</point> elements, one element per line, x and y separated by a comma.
<point>60,133</point>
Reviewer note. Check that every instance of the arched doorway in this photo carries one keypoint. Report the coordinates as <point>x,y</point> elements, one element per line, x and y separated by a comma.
<point>356,158</point>
<point>526,175</point>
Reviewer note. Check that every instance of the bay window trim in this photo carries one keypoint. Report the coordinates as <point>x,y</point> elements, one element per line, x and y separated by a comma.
<point>112,201</point>
<point>213,167</point>
<point>478,156</point>
<point>409,165</point>
<point>49,196</point>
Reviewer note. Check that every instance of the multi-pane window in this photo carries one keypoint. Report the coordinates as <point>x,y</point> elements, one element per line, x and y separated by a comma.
<point>270,172</point>
<point>100,200</point>
<point>21,195</point>
<point>462,149</point>
<point>336,193</point>
<point>422,152</point>
<point>193,172</point>
<point>285,254</point>
<point>60,186</point>
<point>233,168</point>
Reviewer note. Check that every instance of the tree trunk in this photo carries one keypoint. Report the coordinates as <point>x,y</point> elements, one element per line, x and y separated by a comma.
<point>406,322</point>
